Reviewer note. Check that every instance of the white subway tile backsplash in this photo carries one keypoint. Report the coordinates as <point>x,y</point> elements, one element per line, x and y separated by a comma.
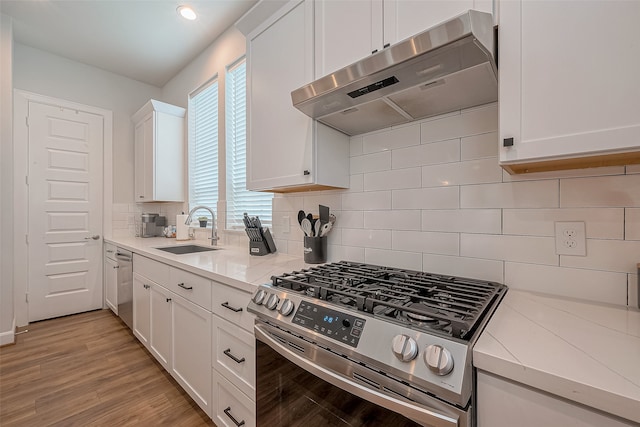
<point>536,250</point>
<point>536,194</point>
<point>427,198</point>
<point>345,253</point>
<point>391,139</point>
<point>426,242</point>
<point>368,201</point>
<point>380,239</point>
<point>609,255</point>
<point>355,146</point>
<point>392,220</point>
<point>431,196</point>
<point>371,162</point>
<point>486,221</point>
<point>593,285</point>
<point>479,146</point>
<point>333,200</point>
<point>397,259</point>
<point>462,173</point>
<point>606,191</point>
<point>426,154</point>
<point>631,169</point>
<point>349,219</point>
<point>475,268</point>
<point>632,224</point>
<point>601,223</point>
<point>470,122</point>
<point>393,179</point>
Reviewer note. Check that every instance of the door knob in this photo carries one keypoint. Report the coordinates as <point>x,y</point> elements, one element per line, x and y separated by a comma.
<point>94,237</point>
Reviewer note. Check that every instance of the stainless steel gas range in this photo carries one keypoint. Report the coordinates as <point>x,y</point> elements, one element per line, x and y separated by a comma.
<point>357,344</point>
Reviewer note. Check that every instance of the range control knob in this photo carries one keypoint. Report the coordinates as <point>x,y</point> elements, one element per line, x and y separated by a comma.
<point>272,302</point>
<point>258,298</point>
<point>287,307</point>
<point>404,347</point>
<point>438,359</point>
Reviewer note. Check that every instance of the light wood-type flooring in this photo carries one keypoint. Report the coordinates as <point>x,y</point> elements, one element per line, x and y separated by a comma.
<point>88,370</point>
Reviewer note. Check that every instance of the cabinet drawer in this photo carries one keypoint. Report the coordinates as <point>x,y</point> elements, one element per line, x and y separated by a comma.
<point>234,352</point>
<point>231,304</point>
<point>194,288</point>
<point>110,251</point>
<point>231,406</point>
<point>153,270</point>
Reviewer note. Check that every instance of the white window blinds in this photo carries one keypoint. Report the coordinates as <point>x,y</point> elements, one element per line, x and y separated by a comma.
<point>239,200</point>
<point>203,148</point>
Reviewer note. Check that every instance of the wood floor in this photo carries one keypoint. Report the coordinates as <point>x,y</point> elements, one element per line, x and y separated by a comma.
<point>88,370</point>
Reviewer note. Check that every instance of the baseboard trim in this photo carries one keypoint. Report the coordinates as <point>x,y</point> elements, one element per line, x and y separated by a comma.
<point>8,337</point>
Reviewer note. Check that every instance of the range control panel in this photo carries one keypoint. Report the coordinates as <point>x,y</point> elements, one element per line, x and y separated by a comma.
<point>331,323</point>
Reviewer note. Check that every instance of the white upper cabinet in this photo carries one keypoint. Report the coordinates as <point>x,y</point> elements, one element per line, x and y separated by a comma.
<point>287,150</point>
<point>569,86</point>
<point>349,30</point>
<point>159,153</point>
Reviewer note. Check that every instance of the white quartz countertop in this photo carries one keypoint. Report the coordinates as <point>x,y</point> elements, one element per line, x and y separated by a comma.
<point>583,352</point>
<point>229,263</point>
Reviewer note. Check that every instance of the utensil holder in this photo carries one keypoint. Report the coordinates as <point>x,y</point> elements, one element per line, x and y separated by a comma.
<point>315,250</point>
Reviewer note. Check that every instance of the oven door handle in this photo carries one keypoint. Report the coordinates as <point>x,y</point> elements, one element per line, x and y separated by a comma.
<point>420,414</point>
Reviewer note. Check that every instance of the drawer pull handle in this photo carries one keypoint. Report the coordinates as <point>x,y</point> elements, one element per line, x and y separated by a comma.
<point>168,299</point>
<point>226,305</point>
<point>146,286</point>
<point>228,412</point>
<point>183,286</point>
<point>227,352</point>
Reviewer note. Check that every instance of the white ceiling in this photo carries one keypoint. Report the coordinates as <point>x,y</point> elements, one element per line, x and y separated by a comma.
<point>145,40</point>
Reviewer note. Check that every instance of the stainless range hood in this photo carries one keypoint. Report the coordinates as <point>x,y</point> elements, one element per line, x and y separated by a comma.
<point>446,68</point>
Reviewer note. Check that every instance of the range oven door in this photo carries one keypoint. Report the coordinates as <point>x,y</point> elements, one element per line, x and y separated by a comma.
<point>301,384</point>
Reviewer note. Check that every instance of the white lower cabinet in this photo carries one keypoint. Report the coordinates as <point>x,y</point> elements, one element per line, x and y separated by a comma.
<point>191,327</point>
<point>503,403</point>
<point>231,408</point>
<point>142,308</point>
<point>161,331</point>
<point>176,330</point>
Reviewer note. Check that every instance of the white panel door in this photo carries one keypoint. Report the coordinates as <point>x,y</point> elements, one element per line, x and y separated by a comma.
<point>65,211</point>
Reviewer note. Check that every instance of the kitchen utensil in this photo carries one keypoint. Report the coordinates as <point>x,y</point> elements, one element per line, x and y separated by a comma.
<point>332,218</point>
<point>301,215</point>
<point>310,217</point>
<point>306,227</point>
<point>324,213</point>
<point>326,228</point>
<point>316,227</point>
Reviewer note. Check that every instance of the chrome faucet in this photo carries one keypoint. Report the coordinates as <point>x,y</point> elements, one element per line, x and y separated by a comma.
<point>214,233</point>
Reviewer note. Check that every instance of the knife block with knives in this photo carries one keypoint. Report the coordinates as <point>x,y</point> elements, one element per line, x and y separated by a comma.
<point>260,239</point>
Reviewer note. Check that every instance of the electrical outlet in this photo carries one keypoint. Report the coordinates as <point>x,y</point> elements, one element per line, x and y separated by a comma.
<point>571,238</point>
<point>285,224</point>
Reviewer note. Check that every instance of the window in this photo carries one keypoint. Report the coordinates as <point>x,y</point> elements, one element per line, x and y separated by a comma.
<point>203,147</point>
<point>239,200</point>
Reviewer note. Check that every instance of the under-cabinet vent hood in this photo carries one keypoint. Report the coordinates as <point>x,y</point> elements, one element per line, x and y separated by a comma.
<point>446,68</point>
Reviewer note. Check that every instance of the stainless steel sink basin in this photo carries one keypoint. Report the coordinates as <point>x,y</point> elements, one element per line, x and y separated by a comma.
<point>186,249</point>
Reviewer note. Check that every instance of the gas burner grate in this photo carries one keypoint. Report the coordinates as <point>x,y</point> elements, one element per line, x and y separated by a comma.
<point>445,304</point>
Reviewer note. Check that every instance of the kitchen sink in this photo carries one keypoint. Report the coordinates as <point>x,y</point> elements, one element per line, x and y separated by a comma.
<point>186,249</point>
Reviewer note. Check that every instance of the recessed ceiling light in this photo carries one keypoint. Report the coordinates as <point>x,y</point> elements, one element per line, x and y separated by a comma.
<point>186,12</point>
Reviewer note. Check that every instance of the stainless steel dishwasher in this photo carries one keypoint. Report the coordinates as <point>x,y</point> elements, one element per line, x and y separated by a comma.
<point>124,259</point>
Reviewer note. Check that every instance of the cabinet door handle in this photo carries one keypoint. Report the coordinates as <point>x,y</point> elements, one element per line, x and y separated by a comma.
<point>228,413</point>
<point>109,251</point>
<point>116,266</point>
<point>226,305</point>
<point>146,286</point>
<point>507,142</point>
<point>183,286</point>
<point>306,172</point>
<point>227,353</point>
<point>168,299</point>
<point>141,197</point>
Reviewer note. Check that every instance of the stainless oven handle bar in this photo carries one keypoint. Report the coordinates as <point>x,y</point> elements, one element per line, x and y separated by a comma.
<point>413,412</point>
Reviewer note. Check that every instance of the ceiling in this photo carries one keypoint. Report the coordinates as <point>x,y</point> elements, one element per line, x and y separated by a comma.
<point>145,40</point>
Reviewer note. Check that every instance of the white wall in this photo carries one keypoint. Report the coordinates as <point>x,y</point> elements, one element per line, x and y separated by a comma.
<point>431,196</point>
<point>48,74</point>
<point>6,181</point>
